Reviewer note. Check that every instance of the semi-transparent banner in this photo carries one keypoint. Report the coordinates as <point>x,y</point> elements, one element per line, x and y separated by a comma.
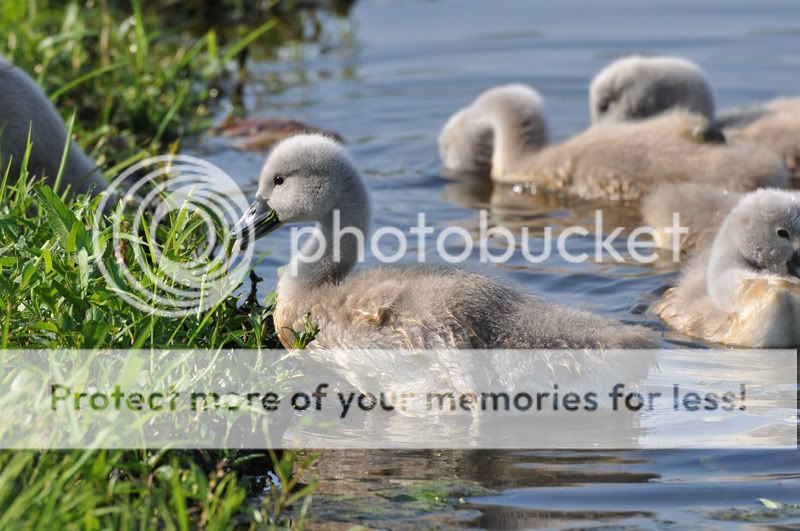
<point>544,399</point>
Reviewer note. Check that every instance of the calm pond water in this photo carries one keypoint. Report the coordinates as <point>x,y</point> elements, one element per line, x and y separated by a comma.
<point>386,79</point>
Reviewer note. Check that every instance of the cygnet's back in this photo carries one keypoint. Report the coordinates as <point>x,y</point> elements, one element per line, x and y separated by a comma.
<point>637,87</point>
<point>700,210</point>
<point>424,307</point>
<point>624,160</point>
<point>775,124</point>
<point>615,160</point>
<point>24,107</point>
<point>696,207</point>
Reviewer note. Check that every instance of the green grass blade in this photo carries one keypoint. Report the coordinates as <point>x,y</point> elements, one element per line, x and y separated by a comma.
<point>234,50</point>
<point>141,36</point>
<point>82,79</point>
<point>64,154</point>
<point>173,110</point>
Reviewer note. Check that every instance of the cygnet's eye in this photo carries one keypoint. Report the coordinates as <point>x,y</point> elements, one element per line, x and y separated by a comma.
<point>278,180</point>
<point>783,233</point>
<point>603,106</point>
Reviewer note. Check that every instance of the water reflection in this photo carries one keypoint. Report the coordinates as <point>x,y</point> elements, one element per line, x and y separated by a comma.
<point>387,87</point>
<point>520,206</point>
<point>562,489</point>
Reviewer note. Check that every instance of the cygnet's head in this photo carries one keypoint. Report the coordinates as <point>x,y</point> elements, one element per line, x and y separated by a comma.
<point>502,122</point>
<point>465,143</point>
<point>635,87</point>
<point>305,178</point>
<point>763,231</point>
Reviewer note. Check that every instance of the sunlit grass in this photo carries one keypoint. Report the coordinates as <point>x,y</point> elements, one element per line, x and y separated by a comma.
<point>55,297</point>
<point>135,82</point>
<point>134,88</point>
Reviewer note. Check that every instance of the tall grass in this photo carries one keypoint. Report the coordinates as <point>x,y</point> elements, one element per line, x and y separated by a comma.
<point>135,82</point>
<point>55,297</point>
<point>134,86</point>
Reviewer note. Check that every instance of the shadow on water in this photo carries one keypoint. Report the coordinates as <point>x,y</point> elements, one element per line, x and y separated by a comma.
<point>386,79</point>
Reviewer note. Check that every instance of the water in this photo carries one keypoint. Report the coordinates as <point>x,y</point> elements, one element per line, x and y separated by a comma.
<point>386,79</point>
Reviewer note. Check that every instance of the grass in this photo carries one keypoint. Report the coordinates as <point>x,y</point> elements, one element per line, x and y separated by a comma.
<point>134,82</point>
<point>136,88</point>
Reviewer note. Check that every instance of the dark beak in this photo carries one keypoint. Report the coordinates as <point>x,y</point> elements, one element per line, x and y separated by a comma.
<point>794,265</point>
<point>258,221</point>
<point>708,134</point>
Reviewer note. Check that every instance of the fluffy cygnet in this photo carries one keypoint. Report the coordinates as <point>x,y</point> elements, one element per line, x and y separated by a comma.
<point>775,124</point>
<point>24,107</point>
<point>698,208</point>
<point>615,160</point>
<point>309,178</point>
<point>501,125</point>
<point>636,87</point>
<point>745,288</point>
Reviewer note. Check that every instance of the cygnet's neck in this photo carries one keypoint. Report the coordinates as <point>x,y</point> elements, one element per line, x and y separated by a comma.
<point>517,132</point>
<point>331,252</point>
<point>726,269</point>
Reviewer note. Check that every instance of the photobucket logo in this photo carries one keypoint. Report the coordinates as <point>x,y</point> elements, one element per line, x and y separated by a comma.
<point>494,244</point>
<point>173,251</point>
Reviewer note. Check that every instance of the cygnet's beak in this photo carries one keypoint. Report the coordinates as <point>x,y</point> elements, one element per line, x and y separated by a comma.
<point>708,134</point>
<point>794,265</point>
<point>258,221</point>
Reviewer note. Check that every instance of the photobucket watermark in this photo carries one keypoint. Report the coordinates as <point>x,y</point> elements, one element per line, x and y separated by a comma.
<point>157,207</point>
<point>163,238</point>
<point>493,244</point>
<point>446,399</point>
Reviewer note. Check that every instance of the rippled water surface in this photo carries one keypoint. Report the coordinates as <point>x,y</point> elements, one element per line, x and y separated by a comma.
<point>386,79</point>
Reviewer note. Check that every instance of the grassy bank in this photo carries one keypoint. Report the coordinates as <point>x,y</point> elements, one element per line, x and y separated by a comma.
<point>136,83</point>
<point>135,80</point>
